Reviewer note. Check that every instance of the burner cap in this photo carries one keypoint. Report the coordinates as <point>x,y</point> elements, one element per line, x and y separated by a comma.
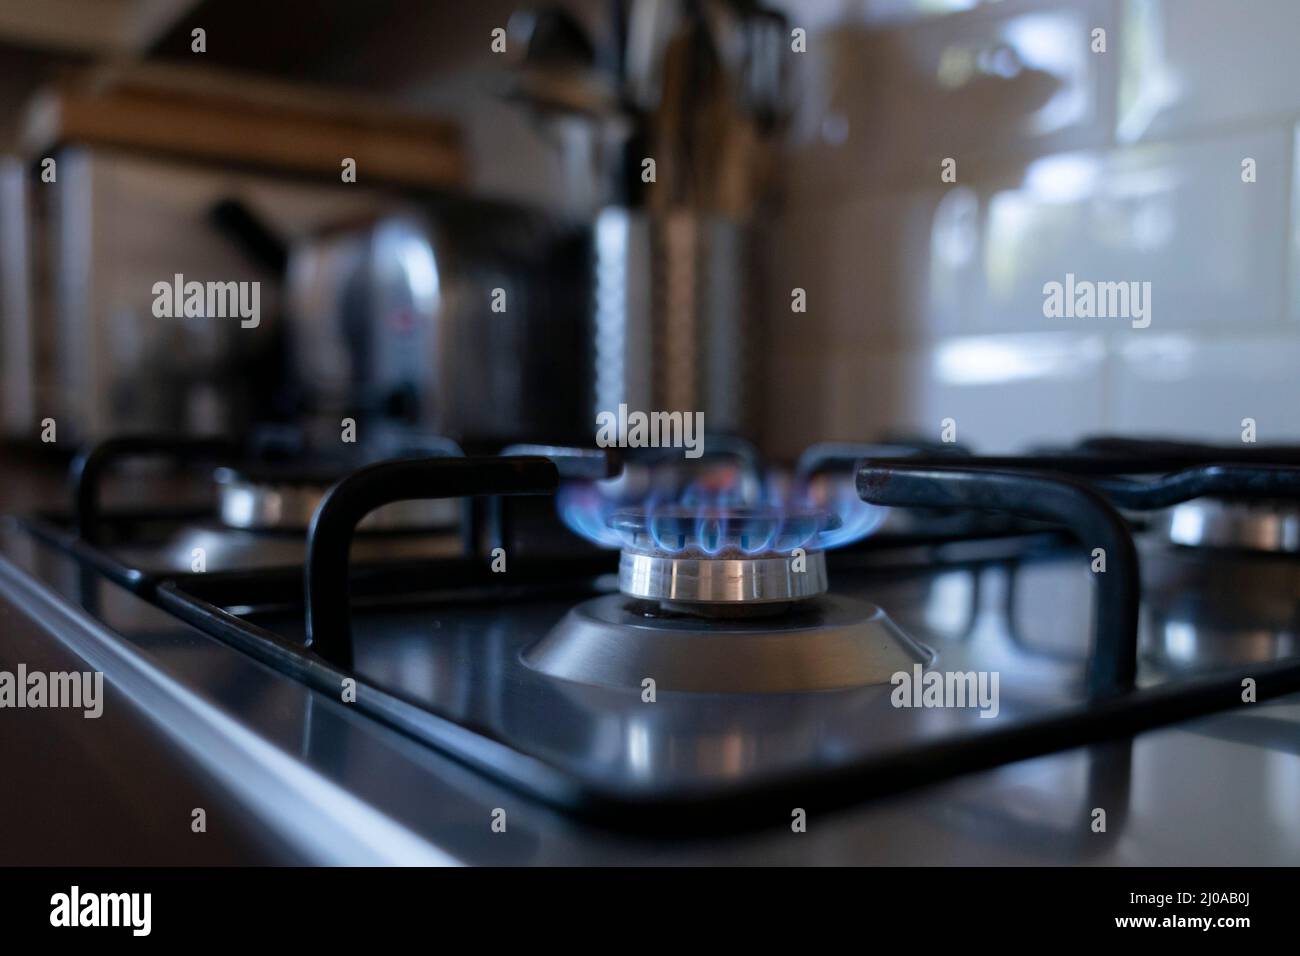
<point>722,586</point>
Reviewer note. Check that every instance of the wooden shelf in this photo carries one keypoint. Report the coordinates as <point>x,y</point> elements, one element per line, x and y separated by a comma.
<point>245,122</point>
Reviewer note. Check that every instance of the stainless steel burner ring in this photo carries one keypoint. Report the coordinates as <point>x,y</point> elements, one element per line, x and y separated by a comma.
<point>698,579</point>
<point>1250,526</point>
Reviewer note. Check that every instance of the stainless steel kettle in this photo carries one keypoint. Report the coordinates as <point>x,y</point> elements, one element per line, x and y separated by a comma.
<point>465,318</point>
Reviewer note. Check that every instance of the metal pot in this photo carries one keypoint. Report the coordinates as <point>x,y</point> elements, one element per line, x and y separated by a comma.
<point>677,321</point>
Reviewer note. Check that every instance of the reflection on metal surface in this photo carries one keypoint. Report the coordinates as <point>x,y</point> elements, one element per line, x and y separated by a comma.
<point>1206,609</point>
<point>1024,813</point>
<point>952,603</point>
<point>229,548</point>
<point>1183,643</point>
<point>254,504</point>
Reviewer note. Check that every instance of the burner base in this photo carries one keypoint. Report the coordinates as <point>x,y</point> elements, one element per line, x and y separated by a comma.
<point>829,643</point>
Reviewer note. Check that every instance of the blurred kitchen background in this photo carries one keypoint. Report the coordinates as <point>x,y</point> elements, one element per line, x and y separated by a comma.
<point>520,170</point>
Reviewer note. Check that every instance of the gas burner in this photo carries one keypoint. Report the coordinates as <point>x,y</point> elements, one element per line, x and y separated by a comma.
<point>1233,524</point>
<point>725,600</point>
<point>721,562</point>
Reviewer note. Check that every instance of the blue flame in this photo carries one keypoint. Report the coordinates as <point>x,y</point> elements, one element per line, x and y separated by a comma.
<point>718,513</point>
<point>858,519</point>
<point>665,534</point>
<point>585,511</point>
<point>710,533</point>
<point>761,543</point>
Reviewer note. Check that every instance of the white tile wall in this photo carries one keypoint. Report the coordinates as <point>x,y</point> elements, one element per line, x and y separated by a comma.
<point>1197,65</point>
<point>1009,391</point>
<point>1199,387</point>
<point>1003,392</point>
<point>926,299</point>
<point>1293,248</point>
<point>1176,215</point>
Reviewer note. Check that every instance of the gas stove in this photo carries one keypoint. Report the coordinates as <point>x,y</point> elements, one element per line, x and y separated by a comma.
<point>690,653</point>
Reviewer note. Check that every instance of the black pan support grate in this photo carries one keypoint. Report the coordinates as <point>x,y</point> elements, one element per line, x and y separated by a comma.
<point>1081,490</point>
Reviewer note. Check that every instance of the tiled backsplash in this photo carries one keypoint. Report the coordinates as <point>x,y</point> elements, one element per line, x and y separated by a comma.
<point>925,297</point>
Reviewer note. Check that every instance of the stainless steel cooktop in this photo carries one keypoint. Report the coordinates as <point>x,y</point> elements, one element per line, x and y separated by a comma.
<point>613,718</point>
